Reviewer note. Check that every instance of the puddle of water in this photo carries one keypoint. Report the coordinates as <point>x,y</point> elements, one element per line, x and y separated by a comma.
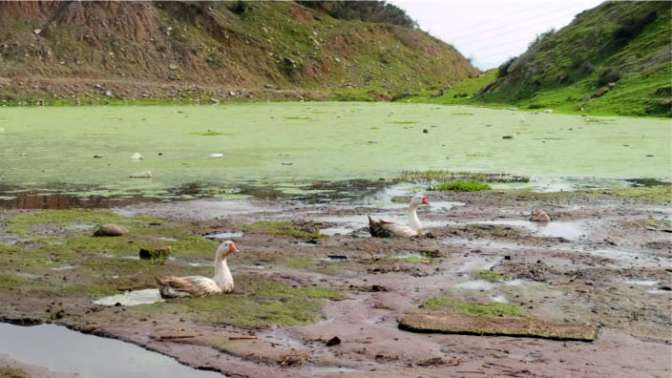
<point>658,291</point>
<point>476,285</point>
<point>225,235</point>
<point>131,298</point>
<point>567,230</point>
<point>499,299</point>
<point>641,282</point>
<point>63,267</point>
<point>478,263</point>
<point>60,349</point>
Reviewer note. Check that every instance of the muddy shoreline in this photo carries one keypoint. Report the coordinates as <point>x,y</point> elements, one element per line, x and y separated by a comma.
<point>598,262</point>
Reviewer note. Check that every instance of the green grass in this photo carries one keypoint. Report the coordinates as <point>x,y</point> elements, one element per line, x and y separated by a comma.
<point>492,276</point>
<point>257,303</point>
<point>445,175</point>
<point>469,308</point>
<point>282,228</point>
<point>461,186</point>
<point>24,223</point>
<point>461,93</point>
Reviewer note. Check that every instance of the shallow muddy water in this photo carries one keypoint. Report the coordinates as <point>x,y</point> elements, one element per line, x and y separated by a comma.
<point>300,142</point>
<point>60,349</point>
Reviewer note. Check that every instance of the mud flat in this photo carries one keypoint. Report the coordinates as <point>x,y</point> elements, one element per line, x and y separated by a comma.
<point>309,303</point>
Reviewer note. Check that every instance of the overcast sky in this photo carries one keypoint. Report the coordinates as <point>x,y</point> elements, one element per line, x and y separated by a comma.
<point>491,31</point>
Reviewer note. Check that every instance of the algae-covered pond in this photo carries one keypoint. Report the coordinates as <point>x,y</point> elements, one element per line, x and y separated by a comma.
<point>300,142</point>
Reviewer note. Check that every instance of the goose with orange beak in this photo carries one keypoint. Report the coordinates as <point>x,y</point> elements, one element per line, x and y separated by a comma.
<point>198,286</point>
<point>384,229</point>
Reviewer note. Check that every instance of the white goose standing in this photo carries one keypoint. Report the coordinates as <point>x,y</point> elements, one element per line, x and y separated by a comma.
<point>196,286</point>
<point>385,229</point>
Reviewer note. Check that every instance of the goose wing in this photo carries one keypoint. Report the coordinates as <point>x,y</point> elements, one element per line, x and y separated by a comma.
<point>196,286</point>
<point>384,229</point>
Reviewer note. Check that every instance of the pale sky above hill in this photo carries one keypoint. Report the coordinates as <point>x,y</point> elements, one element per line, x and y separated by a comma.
<point>491,31</point>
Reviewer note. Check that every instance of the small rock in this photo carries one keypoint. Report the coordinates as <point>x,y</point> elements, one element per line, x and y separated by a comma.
<point>137,156</point>
<point>333,341</point>
<point>37,31</point>
<point>141,175</point>
<point>539,215</point>
<point>172,66</point>
<point>109,93</point>
<point>214,101</point>
<point>110,230</point>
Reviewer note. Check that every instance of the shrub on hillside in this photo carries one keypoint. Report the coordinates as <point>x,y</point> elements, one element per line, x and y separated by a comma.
<point>365,10</point>
<point>607,76</point>
<point>503,70</point>
<point>632,27</point>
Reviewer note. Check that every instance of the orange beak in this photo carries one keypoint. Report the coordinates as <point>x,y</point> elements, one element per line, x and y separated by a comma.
<point>425,200</point>
<point>232,247</point>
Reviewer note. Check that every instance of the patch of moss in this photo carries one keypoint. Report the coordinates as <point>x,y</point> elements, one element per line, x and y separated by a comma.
<point>315,265</point>
<point>444,175</point>
<point>654,194</point>
<point>461,186</point>
<point>257,303</point>
<point>470,308</point>
<point>281,228</point>
<point>492,276</point>
<point>24,223</point>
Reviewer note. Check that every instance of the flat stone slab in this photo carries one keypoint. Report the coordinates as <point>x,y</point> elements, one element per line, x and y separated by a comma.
<point>497,326</point>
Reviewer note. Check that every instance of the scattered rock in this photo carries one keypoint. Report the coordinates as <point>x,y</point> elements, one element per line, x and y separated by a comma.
<point>109,93</point>
<point>158,253</point>
<point>435,361</point>
<point>172,66</point>
<point>539,215</point>
<point>141,175</point>
<point>333,341</point>
<point>37,31</point>
<point>110,230</point>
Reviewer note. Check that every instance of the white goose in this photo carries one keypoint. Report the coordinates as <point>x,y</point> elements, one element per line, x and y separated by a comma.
<point>385,229</point>
<point>196,286</point>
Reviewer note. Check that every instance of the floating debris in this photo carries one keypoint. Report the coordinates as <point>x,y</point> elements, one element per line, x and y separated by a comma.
<point>216,155</point>
<point>137,156</point>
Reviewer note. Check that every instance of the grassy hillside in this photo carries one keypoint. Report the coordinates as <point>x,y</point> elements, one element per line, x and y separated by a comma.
<point>615,58</point>
<point>61,50</point>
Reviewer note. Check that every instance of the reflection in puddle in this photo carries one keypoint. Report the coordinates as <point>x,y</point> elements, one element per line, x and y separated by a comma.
<point>567,230</point>
<point>131,298</point>
<point>499,299</point>
<point>224,235</point>
<point>641,282</point>
<point>60,349</point>
<point>476,285</point>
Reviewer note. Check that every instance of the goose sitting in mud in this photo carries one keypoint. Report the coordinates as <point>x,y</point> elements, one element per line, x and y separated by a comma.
<point>197,286</point>
<point>385,229</point>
